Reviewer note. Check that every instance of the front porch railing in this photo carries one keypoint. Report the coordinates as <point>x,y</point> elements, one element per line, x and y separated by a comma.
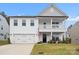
<point>49,27</point>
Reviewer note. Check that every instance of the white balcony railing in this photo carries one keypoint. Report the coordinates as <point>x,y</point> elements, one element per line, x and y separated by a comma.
<point>51,28</point>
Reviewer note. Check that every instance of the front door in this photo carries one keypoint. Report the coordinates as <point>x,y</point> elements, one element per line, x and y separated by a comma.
<point>44,38</point>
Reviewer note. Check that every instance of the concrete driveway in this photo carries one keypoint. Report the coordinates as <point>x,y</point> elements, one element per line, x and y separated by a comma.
<point>16,49</point>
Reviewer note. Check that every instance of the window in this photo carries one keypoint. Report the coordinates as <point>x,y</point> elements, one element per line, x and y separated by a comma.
<point>0,19</point>
<point>44,23</point>
<point>1,34</point>
<point>1,27</point>
<point>32,23</point>
<point>15,22</point>
<point>55,25</point>
<point>23,22</point>
<point>55,22</point>
<point>69,35</point>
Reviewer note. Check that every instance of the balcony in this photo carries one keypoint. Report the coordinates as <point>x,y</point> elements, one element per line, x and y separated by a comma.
<point>53,28</point>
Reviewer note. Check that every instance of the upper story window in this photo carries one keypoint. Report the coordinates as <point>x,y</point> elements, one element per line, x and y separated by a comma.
<point>55,22</point>
<point>44,23</point>
<point>23,22</point>
<point>55,25</point>
<point>15,22</point>
<point>32,23</point>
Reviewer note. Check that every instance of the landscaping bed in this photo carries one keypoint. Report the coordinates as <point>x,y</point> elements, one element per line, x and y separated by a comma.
<point>55,49</point>
<point>4,42</point>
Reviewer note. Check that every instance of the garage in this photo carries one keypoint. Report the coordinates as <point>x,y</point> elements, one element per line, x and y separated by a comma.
<point>30,38</point>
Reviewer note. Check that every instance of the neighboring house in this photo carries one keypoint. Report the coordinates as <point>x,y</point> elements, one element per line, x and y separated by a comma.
<point>68,32</point>
<point>74,33</point>
<point>4,26</point>
<point>32,29</point>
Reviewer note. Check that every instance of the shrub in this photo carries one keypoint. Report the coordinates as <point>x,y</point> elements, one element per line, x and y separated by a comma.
<point>41,52</point>
<point>68,40</point>
<point>9,40</point>
<point>40,42</point>
<point>50,41</point>
<point>77,49</point>
<point>61,41</point>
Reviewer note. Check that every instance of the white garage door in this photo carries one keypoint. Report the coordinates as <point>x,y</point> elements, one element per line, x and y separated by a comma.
<point>25,38</point>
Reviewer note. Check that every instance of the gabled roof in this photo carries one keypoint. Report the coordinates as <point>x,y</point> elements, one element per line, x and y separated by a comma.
<point>52,10</point>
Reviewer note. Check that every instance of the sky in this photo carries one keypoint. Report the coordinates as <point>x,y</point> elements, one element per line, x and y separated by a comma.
<point>33,9</point>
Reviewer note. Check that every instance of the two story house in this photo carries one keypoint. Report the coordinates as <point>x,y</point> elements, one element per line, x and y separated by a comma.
<point>48,25</point>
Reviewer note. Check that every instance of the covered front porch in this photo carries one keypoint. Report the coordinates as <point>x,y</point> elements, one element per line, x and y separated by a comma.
<point>47,36</point>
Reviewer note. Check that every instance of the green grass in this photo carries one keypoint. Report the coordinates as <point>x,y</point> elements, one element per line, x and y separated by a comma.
<point>55,49</point>
<point>3,42</point>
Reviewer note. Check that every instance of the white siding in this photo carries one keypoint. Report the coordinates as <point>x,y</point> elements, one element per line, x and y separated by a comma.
<point>24,34</point>
<point>23,29</point>
<point>4,23</point>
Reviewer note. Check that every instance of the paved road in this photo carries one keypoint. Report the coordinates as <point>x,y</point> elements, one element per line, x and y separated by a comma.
<point>16,49</point>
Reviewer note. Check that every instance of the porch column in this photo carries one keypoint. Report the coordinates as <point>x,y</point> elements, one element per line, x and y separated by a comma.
<point>51,28</point>
<point>51,35</point>
<point>51,22</point>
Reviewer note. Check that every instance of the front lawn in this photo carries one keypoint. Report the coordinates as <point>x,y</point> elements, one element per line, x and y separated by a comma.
<point>55,49</point>
<point>3,42</point>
